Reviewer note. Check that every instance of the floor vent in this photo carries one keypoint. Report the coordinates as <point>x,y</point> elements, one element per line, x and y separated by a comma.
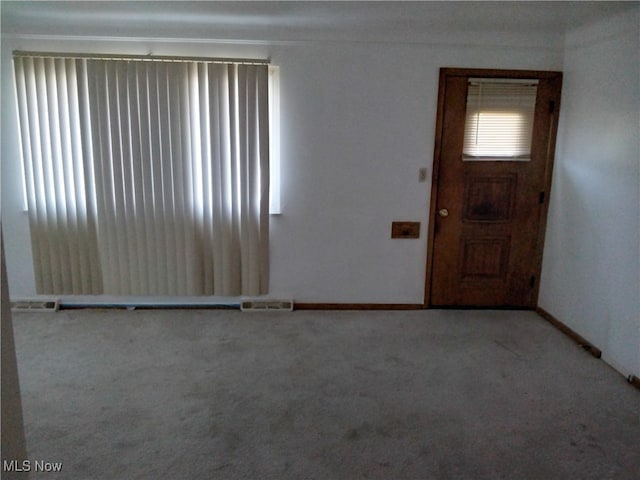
<point>35,306</point>
<point>266,305</point>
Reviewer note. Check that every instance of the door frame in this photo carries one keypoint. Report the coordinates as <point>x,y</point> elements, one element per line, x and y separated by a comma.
<point>446,72</point>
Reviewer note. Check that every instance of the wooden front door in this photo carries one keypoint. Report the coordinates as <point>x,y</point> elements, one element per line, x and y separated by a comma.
<point>488,214</point>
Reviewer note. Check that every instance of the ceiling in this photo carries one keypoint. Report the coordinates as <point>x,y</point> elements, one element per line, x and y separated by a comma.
<point>296,20</point>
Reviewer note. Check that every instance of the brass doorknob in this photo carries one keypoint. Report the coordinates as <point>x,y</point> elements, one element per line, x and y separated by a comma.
<point>443,212</point>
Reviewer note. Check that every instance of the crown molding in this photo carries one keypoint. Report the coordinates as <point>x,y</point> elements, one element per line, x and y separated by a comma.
<point>478,40</point>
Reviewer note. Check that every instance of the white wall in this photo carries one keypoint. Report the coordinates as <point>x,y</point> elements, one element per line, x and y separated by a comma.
<point>358,122</point>
<point>13,442</point>
<point>591,270</point>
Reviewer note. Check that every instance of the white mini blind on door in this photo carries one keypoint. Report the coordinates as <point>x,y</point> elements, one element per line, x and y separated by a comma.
<point>177,176</point>
<point>499,119</point>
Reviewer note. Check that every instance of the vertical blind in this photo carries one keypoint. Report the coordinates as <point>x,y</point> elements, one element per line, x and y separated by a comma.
<point>499,119</point>
<point>54,126</point>
<point>146,177</point>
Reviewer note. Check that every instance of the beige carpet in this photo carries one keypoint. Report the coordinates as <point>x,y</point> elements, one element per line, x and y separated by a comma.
<point>435,394</point>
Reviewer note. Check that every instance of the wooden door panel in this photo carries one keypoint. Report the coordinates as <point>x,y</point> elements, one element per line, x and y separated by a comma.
<point>487,216</point>
<point>483,258</point>
<point>489,198</point>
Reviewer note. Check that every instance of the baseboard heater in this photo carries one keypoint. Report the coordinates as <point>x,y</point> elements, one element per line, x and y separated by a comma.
<point>35,306</point>
<point>266,305</point>
<point>248,305</point>
<point>150,306</point>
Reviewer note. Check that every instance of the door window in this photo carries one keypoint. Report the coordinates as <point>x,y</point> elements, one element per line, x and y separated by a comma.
<point>499,119</point>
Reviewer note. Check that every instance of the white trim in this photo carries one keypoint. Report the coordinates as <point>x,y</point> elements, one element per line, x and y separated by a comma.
<point>524,41</point>
<point>274,140</point>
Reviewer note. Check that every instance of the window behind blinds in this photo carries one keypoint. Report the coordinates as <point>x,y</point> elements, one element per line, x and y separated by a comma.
<point>499,119</point>
<point>146,176</point>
